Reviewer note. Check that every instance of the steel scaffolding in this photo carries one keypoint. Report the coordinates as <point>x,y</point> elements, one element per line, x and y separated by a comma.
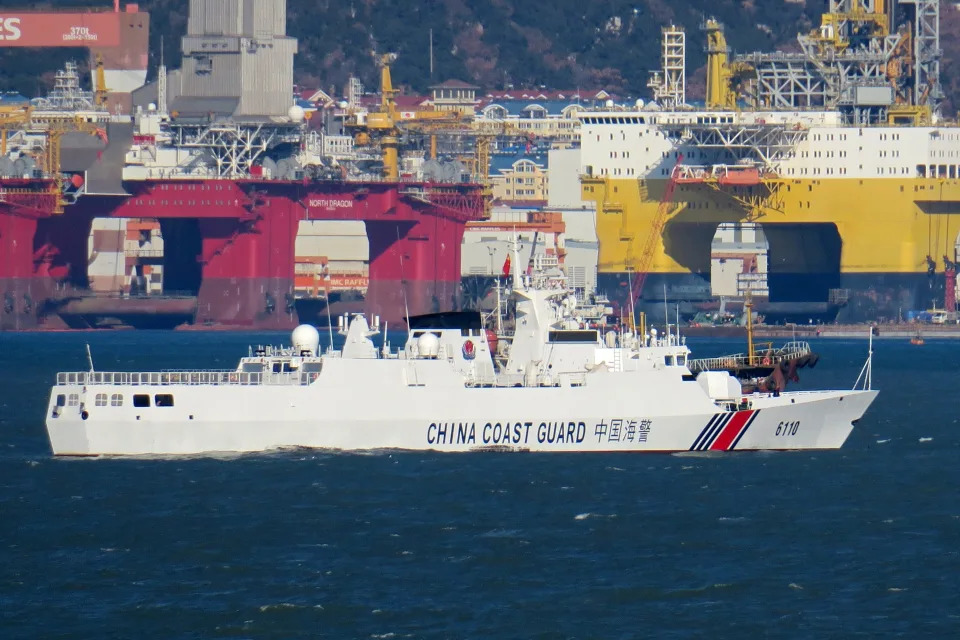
<point>669,84</point>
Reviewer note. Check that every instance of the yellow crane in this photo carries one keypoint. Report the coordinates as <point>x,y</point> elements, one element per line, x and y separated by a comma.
<point>101,90</point>
<point>382,127</point>
<point>12,118</point>
<point>55,130</point>
<point>723,76</point>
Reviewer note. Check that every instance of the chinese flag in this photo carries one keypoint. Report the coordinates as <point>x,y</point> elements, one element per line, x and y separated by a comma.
<point>506,266</point>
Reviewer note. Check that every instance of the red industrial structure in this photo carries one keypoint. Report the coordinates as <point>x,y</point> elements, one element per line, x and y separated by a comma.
<point>232,243</point>
<point>118,38</point>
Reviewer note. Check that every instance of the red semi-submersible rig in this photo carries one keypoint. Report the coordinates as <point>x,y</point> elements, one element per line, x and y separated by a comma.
<point>227,165</point>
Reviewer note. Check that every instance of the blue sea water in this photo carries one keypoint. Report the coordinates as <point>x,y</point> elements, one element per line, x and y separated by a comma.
<point>860,542</point>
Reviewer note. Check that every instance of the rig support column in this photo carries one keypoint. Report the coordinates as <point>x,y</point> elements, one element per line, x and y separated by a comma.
<point>42,258</point>
<point>20,289</point>
<point>247,269</point>
<point>419,261</point>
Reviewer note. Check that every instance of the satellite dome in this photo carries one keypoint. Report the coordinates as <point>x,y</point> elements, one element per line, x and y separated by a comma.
<point>306,338</point>
<point>296,113</point>
<point>428,345</point>
<point>609,103</point>
<point>639,103</point>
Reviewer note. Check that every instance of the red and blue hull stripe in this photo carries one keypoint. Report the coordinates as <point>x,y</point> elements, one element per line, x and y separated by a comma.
<point>724,430</point>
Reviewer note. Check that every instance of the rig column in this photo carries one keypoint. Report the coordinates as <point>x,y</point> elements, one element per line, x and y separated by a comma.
<point>419,261</point>
<point>247,268</point>
<point>20,290</point>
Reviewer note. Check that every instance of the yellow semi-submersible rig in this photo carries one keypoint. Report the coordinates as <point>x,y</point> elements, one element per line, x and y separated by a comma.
<point>839,154</point>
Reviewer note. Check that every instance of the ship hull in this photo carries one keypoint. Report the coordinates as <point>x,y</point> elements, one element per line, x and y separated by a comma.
<point>419,408</point>
<point>803,297</point>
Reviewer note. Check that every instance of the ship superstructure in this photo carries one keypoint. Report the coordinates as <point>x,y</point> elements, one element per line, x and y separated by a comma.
<point>838,152</point>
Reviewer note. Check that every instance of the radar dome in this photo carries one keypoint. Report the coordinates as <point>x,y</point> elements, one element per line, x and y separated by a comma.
<point>639,103</point>
<point>296,113</point>
<point>609,103</point>
<point>306,338</point>
<point>428,345</point>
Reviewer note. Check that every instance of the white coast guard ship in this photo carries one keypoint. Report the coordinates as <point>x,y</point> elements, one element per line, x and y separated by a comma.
<point>551,386</point>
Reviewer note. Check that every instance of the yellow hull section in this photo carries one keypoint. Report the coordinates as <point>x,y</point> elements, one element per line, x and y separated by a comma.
<point>885,225</point>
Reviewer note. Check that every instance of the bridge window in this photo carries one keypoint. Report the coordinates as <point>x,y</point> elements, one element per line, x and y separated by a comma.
<point>101,400</point>
<point>116,400</point>
<point>73,400</point>
<point>163,399</point>
<point>141,400</point>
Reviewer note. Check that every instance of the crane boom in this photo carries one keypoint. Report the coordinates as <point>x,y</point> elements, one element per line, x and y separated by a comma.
<point>656,231</point>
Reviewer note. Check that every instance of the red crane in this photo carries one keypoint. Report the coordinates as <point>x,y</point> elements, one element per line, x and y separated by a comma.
<point>656,231</point>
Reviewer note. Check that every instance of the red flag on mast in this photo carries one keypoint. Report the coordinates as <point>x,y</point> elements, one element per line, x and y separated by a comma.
<point>506,267</point>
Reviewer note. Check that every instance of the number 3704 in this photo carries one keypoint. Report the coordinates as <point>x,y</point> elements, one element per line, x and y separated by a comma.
<point>788,428</point>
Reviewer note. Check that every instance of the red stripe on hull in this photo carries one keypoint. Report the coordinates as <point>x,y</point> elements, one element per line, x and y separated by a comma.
<point>729,433</point>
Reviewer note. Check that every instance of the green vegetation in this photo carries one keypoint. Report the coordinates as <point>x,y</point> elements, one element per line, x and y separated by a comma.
<point>565,44</point>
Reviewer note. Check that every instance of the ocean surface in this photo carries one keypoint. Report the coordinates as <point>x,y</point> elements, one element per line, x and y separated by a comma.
<point>860,542</point>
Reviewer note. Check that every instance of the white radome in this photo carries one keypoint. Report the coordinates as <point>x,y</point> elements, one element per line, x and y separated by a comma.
<point>306,338</point>
<point>296,113</point>
<point>428,345</point>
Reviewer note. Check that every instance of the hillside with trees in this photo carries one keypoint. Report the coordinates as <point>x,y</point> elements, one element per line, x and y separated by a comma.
<point>495,44</point>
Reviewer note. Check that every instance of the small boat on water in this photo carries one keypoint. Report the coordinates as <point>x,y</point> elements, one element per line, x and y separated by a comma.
<point>763,367</point>
<point>917,338</point>
<point>548,385</point>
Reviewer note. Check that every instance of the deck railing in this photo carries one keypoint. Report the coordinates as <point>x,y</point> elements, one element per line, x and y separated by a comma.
<point>762,356</point>
<point>190,378</point>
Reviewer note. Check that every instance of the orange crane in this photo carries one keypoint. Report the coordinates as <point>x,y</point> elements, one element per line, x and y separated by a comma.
<point>656,231</point>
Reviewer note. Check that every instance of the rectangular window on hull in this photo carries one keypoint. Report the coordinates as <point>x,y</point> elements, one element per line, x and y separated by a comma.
<point>163,400</point>
<point>141,400</point>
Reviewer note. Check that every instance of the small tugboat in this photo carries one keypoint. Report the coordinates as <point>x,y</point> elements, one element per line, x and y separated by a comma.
<point>917,338</point>
<point>549,385</point>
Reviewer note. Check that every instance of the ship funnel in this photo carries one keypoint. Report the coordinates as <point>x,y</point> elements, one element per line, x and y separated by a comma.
<point>306,340</point>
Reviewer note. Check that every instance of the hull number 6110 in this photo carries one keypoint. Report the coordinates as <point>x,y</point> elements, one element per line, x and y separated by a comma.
<point>788,428</point>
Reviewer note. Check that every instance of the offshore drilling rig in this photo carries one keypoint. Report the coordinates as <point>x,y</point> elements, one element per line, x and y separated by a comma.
<point>837,155</point>
<point>220,155</point>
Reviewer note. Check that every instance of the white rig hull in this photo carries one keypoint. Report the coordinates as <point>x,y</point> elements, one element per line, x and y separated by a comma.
<point>416,406</point>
